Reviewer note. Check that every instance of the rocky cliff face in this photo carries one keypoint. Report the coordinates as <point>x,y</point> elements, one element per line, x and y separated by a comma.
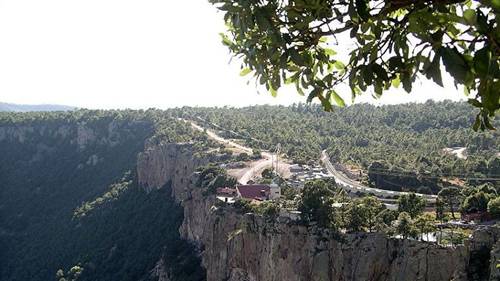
<point>245,247</point>
<point>249,248</point>
<point>161,163</point>
<point>80,133</point>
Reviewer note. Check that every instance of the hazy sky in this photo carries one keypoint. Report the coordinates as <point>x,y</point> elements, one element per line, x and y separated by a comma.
<point>132,54</point>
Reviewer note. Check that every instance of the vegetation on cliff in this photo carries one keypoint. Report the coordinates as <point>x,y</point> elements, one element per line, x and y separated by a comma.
<point>69,197</point>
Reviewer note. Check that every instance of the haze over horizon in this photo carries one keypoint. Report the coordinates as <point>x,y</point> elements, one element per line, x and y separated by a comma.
<point>130,54</point>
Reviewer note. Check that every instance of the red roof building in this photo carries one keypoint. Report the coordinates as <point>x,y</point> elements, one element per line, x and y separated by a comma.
<point>258,192</point>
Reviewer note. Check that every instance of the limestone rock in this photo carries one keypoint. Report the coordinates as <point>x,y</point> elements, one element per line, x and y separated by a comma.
<point>246,247</point>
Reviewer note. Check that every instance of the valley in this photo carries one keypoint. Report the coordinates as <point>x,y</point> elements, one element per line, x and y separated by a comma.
<point>144,195</point>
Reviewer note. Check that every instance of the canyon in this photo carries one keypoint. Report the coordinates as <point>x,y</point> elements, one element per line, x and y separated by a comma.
<point>247,247</point>
<point>143,217</point>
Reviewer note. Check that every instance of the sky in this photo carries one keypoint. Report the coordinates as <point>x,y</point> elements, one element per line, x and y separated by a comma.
<point>135,54</point>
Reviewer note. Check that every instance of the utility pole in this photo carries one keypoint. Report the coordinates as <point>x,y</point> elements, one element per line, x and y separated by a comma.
<point>277,152</point>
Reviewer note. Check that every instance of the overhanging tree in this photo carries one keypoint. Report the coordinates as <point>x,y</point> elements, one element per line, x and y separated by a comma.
<point>395,41</point>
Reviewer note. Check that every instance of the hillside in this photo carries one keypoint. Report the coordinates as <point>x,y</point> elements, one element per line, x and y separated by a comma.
<point>130,195</point>
<point>398,147</point>
<point>11,107</point>
<point>69,197</point>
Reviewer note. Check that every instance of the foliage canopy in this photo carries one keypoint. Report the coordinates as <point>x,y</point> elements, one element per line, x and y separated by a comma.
<point>395,42</point>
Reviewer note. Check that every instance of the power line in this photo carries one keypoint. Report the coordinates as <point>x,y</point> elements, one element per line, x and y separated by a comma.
<point>435,177</point>
<point>442,174</point>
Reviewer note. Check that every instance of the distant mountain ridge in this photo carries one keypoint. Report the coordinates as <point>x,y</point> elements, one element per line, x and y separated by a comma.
<point>34,107</point>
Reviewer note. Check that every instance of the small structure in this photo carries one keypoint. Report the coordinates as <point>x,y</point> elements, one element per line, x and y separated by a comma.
<point>226,194</point>
<point>296,168</point>
<point>300,174</point>
<point>275,191</point>
<point>258,192</point>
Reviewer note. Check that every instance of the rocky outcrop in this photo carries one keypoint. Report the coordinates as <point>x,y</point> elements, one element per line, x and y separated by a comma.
<point>241,247</point>
<point>246,247</point>
<point>168,162</point>
<point>81,134</point>
<point>484,250</point>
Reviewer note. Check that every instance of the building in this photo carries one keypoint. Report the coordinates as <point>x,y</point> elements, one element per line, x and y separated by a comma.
<point>226,194</point>
<point>258,192</point>
<point>253,192</point>
<point>296,168</point>
<point>275,191</point>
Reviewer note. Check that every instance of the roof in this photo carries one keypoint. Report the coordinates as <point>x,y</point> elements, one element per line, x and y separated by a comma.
<point>226,191</point>
<point>254,191</point>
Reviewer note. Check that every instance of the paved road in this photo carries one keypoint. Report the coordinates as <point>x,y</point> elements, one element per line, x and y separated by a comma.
<point>220,139</point>
<point>355,186</point>
<point>255,168</point>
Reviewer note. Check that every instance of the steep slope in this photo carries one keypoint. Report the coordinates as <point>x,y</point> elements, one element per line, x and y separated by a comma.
<point>115,193</point>
<point>69,196</point>
<point>246,247</point>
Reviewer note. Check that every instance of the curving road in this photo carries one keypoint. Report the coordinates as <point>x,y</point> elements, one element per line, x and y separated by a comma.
<point>258,166</point>
<point>355,186</point>
<point>255,167</point>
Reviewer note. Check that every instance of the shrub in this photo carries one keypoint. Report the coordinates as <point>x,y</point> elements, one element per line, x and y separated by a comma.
<point>494,207</point>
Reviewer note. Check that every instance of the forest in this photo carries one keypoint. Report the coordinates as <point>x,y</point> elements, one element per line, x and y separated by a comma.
<point>397,147</point>
<point>70,203</point>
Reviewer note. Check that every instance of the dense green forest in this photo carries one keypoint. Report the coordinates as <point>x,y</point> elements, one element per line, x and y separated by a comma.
<point>397,146</point>
<point>70,202</point>
<point>69,197</point>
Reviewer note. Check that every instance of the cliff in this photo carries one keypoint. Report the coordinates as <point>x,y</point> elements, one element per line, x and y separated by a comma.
<point>246,247</point>
<point>161,163</point>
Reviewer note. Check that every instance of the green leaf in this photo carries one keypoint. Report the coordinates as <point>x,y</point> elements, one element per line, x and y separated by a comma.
<point>368,76</point>
<point>380,71</point>
<point>327,105</point>
<point>314,93</point>
<point>396,63</point>
<point>487,123</point>
<point>475,103</point>
<point>273,91</point>
<point>482,22</point>
<point>323,39</point>
<point>299,89</point>
<point>470,16</point>
<point>378,87</point>
<point>477,123</point>
<point>455,64</point>
<point>330,52</point>
<point>434,70</point>
<point>406,79</point>
<point>245,71</point>
<point>466,91</point>
<point>261,20</point>
<point>482,60</point>
<point>490,95</point>
<point>338,99</point>
<point>396,82</point>
<point>297,58</point>
<point>339,65</point>
<point>362,9</point>
<point>225,40</point>
<point>496,5</point>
